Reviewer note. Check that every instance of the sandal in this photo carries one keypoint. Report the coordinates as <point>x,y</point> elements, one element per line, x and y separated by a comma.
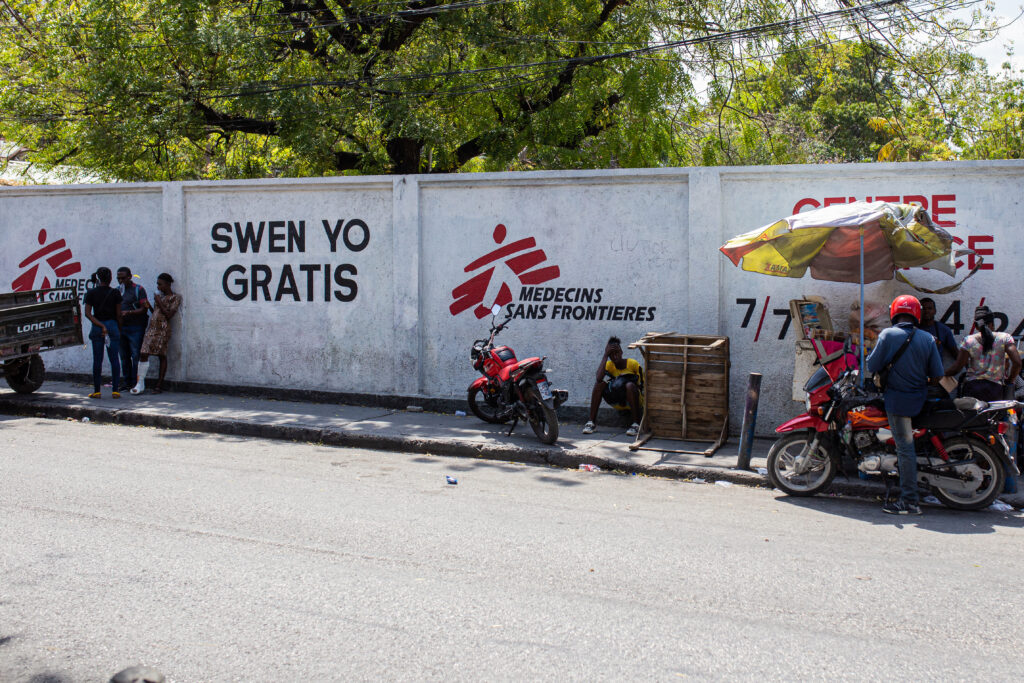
<point>95,394</point>
<point>589,428</point>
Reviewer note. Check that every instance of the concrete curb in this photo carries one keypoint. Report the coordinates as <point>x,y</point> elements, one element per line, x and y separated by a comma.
<point>539,454</point>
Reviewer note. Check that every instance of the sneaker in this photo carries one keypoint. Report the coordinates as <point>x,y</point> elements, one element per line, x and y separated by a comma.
<point>115,395</point>
<point>901,507</point>
<point>94,394</point>
<point>589,428</point>
<point>633,429</point>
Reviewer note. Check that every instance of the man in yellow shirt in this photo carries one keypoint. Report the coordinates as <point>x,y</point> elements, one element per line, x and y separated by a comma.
<point>620,383</point>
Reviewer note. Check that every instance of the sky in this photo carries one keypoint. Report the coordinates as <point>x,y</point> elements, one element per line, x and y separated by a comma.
<point>993,51</point>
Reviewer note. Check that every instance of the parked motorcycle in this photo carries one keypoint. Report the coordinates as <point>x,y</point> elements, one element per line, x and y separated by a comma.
<point>962,455</point>
<point>512,389</point>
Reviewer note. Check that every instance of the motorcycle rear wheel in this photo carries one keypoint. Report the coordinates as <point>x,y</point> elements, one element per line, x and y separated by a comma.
<point>782,461</point>
<point>483,406</point>
<point>543,418</point>
<point>989,467</point>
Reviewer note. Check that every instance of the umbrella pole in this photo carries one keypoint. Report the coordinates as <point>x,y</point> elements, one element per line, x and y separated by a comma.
<point>860,375</point>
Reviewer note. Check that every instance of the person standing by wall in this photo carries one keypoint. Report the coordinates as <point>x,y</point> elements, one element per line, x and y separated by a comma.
<point>134,309</point>
<point>943,335</point>
<point>165,305</point>
<point>103,310</point>
<point>986,355</point>
<point>915,364</point>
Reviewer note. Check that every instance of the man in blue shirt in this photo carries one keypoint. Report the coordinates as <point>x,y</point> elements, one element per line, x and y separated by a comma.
<point>906,389</point>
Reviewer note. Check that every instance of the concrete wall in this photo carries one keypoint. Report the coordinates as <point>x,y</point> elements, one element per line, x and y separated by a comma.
<point>410,259</point>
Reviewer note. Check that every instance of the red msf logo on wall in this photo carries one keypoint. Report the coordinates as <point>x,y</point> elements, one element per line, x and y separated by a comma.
<point>56,256</point>
<point>473,291</point>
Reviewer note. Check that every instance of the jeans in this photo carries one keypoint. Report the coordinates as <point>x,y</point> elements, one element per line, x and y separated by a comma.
<point>131,344</point>
<point>903,434</point>
<point>98,344</point>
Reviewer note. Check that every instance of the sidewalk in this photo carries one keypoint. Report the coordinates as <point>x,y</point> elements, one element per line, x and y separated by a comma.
<point>401,430</point>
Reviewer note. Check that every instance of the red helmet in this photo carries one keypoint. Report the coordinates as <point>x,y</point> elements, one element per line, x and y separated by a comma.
<point>905,305</point>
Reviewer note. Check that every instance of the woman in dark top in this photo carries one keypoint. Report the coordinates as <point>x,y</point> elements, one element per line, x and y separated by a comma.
<point>103,309</point>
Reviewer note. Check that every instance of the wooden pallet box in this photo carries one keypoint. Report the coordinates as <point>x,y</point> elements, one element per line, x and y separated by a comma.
<point>686,396</point>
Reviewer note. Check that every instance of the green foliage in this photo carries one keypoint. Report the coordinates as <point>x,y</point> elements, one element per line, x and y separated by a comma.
<point>181,89</point>
<point>855,102</point>
<point>174,89</point>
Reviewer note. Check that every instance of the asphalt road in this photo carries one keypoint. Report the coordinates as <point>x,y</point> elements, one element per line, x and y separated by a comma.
<point>217,558</point>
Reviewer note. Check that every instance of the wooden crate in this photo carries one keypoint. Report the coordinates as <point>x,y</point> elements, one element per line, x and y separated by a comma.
<point>686,396</point>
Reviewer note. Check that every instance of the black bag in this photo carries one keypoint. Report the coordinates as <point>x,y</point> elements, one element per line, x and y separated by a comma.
<point>883,374</point>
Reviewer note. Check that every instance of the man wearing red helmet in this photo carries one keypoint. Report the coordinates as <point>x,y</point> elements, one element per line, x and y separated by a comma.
<point>915,363</point>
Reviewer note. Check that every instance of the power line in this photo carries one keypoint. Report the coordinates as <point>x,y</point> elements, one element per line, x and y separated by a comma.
<point>831,18</point>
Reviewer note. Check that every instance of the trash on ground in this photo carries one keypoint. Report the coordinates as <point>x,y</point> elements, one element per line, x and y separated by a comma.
<point>414,409</point>
<point>85,419</point>
<point>590,468</point>
<point>460,413</point>
<point>762,471</point>
<point>1000,506</point>
<point>726,484</point>
<point>697,480</point>
<point>451,480</point>
<point>931,500</point>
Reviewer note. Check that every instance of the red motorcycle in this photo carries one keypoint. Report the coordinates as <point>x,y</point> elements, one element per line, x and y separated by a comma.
<point>962,456</point>
<point>512,389</point>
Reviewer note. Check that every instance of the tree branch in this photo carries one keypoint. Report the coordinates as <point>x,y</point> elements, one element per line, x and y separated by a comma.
<point>236,124</point>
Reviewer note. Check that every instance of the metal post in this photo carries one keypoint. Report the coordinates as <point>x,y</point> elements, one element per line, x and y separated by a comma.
<point>861,371</point>
<point>749,421</point>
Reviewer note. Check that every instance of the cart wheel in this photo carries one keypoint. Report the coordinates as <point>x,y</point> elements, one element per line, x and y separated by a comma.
<point>25,375</point>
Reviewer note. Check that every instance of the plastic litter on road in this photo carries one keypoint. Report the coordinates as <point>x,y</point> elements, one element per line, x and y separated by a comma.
<point>460,413</point>
<point>763,471</point>
<point>414,409</point>
<point>590,468</point>
<point>1000,506</point>
<point>451,480</point>
<point>697,480</point>
<point>726,484</point>
<point>85,419</point>
<point>931,500</point>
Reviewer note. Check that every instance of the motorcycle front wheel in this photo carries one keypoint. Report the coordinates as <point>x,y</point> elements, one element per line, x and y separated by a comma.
<point>984,468</point>
<point>796,478</point>
<point>485,405</point>
<point>543,418</point>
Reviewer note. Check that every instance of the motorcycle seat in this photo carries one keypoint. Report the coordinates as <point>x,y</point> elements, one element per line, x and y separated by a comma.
<point>948,414</point>
<point>506,372</point>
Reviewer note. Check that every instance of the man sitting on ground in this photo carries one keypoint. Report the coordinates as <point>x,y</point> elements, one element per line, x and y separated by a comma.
<point>620,383</point>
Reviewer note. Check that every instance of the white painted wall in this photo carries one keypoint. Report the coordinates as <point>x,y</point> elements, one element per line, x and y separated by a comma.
<point>638,239</point>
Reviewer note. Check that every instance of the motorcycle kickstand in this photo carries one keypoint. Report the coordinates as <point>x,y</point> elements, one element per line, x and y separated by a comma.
<point>515,421</point>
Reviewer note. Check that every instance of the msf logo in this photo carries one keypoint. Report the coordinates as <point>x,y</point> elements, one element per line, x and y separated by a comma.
<point>520,256</point>
<point>58,260</point>
<point>36,327</point>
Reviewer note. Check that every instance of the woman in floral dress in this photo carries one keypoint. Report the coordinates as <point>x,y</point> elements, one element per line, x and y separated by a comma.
<point>164,306</point>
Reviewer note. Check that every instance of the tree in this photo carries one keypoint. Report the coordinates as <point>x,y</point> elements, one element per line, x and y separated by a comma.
<point>839,101</point>
<point>175,89</point>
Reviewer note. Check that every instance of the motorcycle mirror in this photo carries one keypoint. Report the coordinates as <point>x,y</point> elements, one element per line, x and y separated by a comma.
<point>495,310</point>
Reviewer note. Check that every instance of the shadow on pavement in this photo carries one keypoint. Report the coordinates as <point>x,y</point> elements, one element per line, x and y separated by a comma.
<point>934,518</point>
<point>48,678</point>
